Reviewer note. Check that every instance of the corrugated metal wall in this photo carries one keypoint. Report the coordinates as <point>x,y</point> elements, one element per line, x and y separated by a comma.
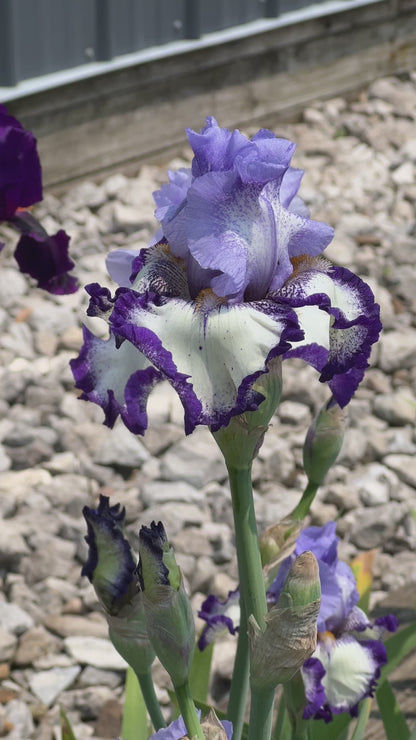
<point>38,37</point>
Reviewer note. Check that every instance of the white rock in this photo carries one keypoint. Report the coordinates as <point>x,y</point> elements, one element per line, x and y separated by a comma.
<point>397,350</point>
<point>95,651</point>
<point>122,449</point>
<point>195,460</point>
<point>404,466</point>
<point>47,685</point>
<point>18,713</point>
<point>14,619</point>
<point>397,408</point>
<point>404,175</point>
<point>160,492</point>
<point>8,643</point>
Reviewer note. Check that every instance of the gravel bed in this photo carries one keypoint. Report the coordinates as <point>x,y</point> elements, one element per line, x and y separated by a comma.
<point>56,456</point>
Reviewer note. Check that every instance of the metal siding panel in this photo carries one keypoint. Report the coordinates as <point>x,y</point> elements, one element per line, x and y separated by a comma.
<point>129,28</point>
<point>285,6</point>
<point>170,20</point>
<point>8,67</point>
<point>53,34</point>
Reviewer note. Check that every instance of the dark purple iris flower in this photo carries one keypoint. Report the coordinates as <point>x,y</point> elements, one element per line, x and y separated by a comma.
<point>234,279</point>
<point>43,257</point>
<point>20,171</point>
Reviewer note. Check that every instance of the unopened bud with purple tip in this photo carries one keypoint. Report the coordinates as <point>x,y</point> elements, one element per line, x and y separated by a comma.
<point>112,571</point>
<point>169,618</point>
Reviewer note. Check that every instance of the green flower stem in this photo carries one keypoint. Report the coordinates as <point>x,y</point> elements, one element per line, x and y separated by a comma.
<point>188,712</point>
<point>302,508</point>
<point>240,679</point>
<point>294,697</point>
<point>252,588</point>
<point>149,696</point>
<point>261,714</point>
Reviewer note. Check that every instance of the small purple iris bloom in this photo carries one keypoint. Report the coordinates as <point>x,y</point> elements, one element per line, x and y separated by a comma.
<point>177,730</point>
<point>346,664</point>
<point>234,279</point>
<point>43,257</point>
<point>221,617</point>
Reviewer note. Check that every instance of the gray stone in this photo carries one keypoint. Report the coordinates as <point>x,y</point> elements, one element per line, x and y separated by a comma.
<point>160,492</point>
<point>12,285</point>
<point>34,644</point>
<point>91,676</point>
<point>18,714</point>
<point>368,531</point>
<point>127,218</point>
<point>397,350</point>
<point>94,651</point>
<point>175,516</point>
<point>291,412</point>
<point>404,175</point>
<point>397,408</point>
<point>5,461</point>
<point>195,460</point>
<point>375,485</point>
<point>12,545</point>
<point>14,619</point>
<point>121,449</point>
<point>8,643</point>
<point>404,466</point>
<point>73,625</point>
<point>47,685</point>
<point>354,448</point>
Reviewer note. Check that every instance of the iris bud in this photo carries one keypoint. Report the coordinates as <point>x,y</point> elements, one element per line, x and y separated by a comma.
<point>276,543</point>
<point>323,441</point>
<point>289,639</point>
<point>112,571</point>
<point>169,618</point>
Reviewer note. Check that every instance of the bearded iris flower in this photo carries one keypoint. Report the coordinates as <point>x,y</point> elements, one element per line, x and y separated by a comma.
<point>43,257</point>
<point>234,279</point>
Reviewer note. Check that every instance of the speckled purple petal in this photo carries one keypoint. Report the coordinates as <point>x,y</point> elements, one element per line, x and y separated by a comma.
<point>351,672</point>
<point>242,234</point>
<point>341,322</point>
<point>211,353</point>
<point>312,675</point>
<point>116,377</point>
<point>101,301</point>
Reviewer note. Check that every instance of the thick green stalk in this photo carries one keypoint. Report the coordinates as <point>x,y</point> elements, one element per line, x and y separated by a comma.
<point>188,712</point>
<point>240,680</point>
<point>302,508</point>
<point>150,699</point>
<point>252,586</point>
<point>294,697</point>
